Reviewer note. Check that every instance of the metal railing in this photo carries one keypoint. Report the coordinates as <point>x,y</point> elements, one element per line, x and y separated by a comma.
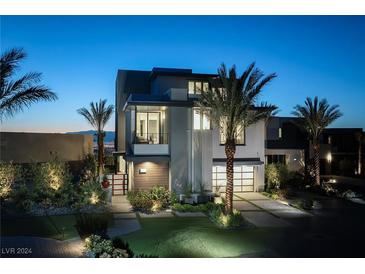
<point>150,138</point>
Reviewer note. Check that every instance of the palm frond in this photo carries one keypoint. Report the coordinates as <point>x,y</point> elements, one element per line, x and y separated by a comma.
<point>17,94</point>
<point>316,115</point>
<point>231,99</point>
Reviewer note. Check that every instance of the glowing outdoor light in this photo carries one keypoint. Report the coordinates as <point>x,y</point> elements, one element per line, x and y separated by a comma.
<point>94,199</point>
<point>329,157</point>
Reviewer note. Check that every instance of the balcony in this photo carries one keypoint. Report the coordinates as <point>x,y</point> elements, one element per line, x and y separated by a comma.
<point>150,144</point>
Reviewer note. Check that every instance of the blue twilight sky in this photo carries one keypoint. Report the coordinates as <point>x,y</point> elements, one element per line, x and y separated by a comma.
<point>79,57</point>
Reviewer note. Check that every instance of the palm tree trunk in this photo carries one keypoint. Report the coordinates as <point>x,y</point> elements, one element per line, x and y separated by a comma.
<point>230,150</point>
<point>100,153</point>
<point>316,151</point>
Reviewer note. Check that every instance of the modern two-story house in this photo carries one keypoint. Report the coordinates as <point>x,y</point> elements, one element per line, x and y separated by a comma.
<point>163,139</point>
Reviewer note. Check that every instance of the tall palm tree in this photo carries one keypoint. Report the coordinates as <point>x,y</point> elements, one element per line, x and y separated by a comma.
<point>15,94</point>
<point>315,117</point>
<point>97,117</point>
<point>230,103</point>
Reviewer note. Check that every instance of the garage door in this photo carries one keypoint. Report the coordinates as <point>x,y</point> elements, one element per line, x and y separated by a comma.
<point>243,178</point>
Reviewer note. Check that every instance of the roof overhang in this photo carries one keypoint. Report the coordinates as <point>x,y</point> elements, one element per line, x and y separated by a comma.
<point>239,161</point>
<point>153,101</point>
<point>147,158</point>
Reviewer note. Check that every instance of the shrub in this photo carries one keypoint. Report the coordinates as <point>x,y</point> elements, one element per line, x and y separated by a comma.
<point>154,200</point>
<point>88,224</point>
<point>9,174</point>
<point>140,200</point>
<point>272,176</point>
<point>193,208</point>
<point>98,247</point>
<point>277,176</point>
<point>160,197</point>
<point>223,220</point>
<point>89,170</point>
<point>52,183</point>
<point>22,197</point>
<point>91,193</point>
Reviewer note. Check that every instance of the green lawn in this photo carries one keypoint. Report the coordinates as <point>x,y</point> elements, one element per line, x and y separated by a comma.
<point>56,227</point>
<point>194,237</point>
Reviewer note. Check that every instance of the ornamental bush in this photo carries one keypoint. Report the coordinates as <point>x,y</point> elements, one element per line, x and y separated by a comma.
<point>140,200</point>
<point>9,174</point>
<point>91,193</point>
<point>89,169</point>
<point>160,197</point>
<point>52,183</point>
<point>96,246</point>
<point>193,208</point>
<point>223,220</point>
<point>154,200</point>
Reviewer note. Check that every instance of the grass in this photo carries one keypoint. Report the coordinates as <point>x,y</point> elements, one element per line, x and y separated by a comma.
<point>193,237</point>
<point>56,227</point>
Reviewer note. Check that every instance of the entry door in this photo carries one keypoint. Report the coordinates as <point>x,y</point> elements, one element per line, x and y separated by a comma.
<point>243,178</point>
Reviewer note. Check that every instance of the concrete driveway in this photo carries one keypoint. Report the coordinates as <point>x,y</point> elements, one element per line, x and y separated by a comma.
<point>264,212</point>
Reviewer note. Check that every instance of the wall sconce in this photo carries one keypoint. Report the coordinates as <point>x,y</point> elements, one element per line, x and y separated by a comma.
<point>329,157</point>
<point>142,171</point>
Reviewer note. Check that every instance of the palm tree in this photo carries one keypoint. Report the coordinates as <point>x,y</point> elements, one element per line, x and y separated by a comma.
<point>315,117</point>
<point>97,117</point>
<point>15,94</point>
<point>230,103</point>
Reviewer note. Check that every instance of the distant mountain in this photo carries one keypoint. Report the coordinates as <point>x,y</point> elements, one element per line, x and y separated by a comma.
<point>109,136</point>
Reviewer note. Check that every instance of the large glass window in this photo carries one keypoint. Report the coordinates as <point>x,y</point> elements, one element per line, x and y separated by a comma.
<point>196,87</point>
<point>276,159</point>
<point>200,119</point>
<point>148,127</point>
<point>240,134</point>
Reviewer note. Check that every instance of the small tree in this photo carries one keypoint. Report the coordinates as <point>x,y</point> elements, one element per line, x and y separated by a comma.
<point>97,117</point>
<point>315,117</point>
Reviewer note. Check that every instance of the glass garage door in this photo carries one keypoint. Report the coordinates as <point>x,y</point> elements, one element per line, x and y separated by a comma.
<point>243,178</point>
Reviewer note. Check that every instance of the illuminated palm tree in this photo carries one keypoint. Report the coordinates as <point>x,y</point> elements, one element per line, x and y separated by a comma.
<point>230,103</point>
<point>315,117</point>
<point>15,94</point>
<point>97,117</point>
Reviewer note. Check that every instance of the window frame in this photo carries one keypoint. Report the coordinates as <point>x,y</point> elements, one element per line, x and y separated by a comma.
<point>195,92</point>
<point>240,144</point>
<point>201,120</point>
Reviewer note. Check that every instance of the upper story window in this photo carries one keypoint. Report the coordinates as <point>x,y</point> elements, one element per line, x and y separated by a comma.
<point>196,87</point>
<point>280,133</point>
<point>240,134</point>
<point>150,127</point>
<point>200,120</point>
<point>276,159</point>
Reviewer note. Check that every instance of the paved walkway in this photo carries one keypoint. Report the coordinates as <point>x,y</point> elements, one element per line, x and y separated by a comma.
<point>36,247</point>
<point>264,212</point>
<point>120,204</point>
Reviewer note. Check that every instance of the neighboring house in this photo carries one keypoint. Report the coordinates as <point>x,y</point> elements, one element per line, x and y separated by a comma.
<point>163,139</point>
<point>342,149</point>
<point>286,143</point>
